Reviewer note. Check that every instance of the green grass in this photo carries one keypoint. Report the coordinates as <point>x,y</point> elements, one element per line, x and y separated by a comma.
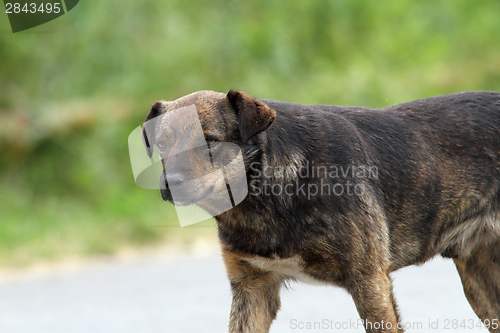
<point>72,90</point>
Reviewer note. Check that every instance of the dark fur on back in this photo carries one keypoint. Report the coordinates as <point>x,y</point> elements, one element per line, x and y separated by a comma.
<point>433,157</point>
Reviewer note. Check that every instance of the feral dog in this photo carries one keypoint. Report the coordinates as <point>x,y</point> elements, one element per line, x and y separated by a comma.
<point>346,195</point>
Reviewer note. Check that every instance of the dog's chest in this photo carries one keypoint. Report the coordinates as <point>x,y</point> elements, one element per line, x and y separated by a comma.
<point>292,267</point>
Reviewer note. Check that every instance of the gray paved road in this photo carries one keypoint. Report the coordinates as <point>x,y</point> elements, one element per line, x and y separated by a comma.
<point>191,294</point>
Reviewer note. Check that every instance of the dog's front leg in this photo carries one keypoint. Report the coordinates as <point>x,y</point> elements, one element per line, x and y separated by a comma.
<point>256,295</point>
<point>480,274</point>
<point>372,294</point>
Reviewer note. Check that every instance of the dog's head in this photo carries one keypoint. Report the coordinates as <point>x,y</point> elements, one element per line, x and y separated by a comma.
<point>199,137</point>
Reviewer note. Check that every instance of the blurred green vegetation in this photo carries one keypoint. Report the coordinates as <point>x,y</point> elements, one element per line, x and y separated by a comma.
<point>73,89</point>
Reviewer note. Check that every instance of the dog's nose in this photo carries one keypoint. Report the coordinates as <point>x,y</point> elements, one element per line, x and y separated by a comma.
<point>175,179</point>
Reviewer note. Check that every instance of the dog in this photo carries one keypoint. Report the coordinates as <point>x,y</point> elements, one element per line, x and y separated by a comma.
<point>345,196</point>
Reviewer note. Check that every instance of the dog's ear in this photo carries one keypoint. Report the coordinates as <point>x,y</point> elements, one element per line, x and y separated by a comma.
<point>148,129</point>
<point>254,115</point>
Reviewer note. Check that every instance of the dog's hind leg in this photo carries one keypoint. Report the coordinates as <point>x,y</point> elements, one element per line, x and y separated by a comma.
<point>374,300</point>
<point>480,274</point>
<point>256,295</point>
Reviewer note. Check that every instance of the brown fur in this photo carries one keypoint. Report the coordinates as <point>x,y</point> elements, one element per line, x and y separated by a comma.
<point>480,274</point>
<point>256,295</point>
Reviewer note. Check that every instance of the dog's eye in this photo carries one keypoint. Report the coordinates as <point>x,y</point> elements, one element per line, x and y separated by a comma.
<point>161,145</point>
<point>212,142</point>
